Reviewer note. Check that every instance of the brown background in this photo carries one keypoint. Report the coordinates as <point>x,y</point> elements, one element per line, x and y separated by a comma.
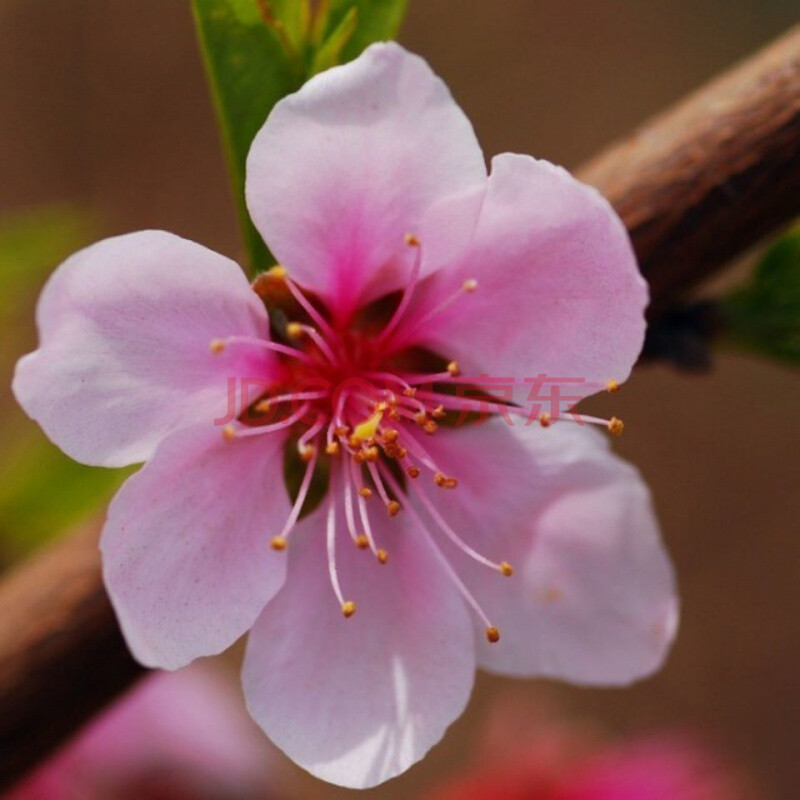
<point>104,105</point>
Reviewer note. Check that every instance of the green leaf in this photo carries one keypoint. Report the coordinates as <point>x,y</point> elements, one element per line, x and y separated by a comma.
<point>764,315</point>
<point>258,51</point>
<point>330,53</point>
<point>42,491</point>
<point>250,67</point>
<point>378,21</point>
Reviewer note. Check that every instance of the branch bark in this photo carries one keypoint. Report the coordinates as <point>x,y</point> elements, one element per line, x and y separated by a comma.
<point>62,657</point>
<point>709,178</point>
<point>696,186</point>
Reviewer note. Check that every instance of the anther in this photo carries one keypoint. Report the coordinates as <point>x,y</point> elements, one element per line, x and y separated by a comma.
<point>294,330</point>
<point>348,608</point>
<point>332,448</point>
<point>413,472</point>
<point>470,285</point>
<point>342,430</point>
<point>390,435</point>
<point>453,369</point>
<point>420,418</point>
<point>278,543</point>
<point>393,507</point>
<point>307,452</point>
<point>430,427</point>
<point>616,426</point>
<point>382,556</point>
<point>216,346</point>
<point>506,569</point>
<point>612,386</point>
<point>372,454</point>
<point>229,433</point>
<point>365,492</point>
<point>410,392</point>
<point>444,482</point>
<point>545,420</point>
<point>262,406</point>
<point>362,542</point>
<point>493,635</point>
<point>278,271</point>
<point>411,240</point>
<point>438,412</point>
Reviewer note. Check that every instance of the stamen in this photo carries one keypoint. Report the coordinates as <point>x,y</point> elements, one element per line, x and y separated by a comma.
<point>218,346</point>
<point>408,290</point>
<point>364,513</point>
<point>263,406</point>
<point>308,307</point>
<point>229,432</point>
<point>443,482</point>
<point>612,386</point>
<point>614,426</point>
<point>348,606</point>
<point>348,609</point>
<point>492,634</point>
<point>503,567</point>
<point>279,542</point>
<point>296,329</point>
<point>362,541</point>
<point>468,287</point>
<point>448,567</point>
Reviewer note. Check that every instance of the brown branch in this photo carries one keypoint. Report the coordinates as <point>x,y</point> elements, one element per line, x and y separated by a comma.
<point>61,654</point>
<point>706,180</point>
<point>695,187</point>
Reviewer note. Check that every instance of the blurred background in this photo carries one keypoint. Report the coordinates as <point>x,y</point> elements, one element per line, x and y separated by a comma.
<point>106,126</point>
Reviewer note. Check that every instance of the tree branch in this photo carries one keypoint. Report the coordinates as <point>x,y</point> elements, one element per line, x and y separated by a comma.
<point>706,180</point>
<point>695,187</point>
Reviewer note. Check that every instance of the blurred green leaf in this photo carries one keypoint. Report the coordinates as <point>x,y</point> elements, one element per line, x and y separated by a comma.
<point>258,51</point>
<point>377,21</point>
<point>42,492</point>
<point>249,69</point>
<point>330,52</point>
<point>764,315</point>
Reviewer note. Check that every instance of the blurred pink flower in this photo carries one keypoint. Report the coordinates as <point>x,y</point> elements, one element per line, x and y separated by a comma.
<point>179,736</point>
<point>665,768</point>
<point>408,265</point>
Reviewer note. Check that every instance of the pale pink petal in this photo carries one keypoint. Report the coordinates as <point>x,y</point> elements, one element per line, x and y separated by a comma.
<point>559,292</point>
<point>186,555</point>
<point>357,701</point>
<point>593,596</point>
<point>124,358</point>
<point>348,165</point>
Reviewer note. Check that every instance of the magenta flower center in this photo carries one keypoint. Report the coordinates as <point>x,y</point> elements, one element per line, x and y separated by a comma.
<point>358,397</point>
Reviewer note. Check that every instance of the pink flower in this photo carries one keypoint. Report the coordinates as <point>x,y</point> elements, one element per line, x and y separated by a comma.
<point>403,258</point>
<point>180,736</point>
<point>664,768</point>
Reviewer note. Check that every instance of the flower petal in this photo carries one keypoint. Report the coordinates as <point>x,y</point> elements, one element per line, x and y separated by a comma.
<point>357,701</point>
<point>348,165</point>
<point>186,557</point>
<point>124,356</point>
<point>559,292</point>
<point>593,597</point>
